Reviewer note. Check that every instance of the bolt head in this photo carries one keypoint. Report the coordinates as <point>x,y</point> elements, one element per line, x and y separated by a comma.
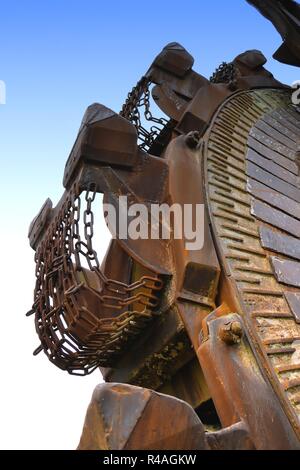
<point>192,139</point>
<point>231,333</point>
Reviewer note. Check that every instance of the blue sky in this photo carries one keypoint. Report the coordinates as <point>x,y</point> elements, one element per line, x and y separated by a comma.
<point>59,56</point>
<point>56,58</point>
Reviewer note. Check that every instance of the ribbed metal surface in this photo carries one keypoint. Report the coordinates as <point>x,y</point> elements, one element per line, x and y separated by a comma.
<point>254,198</point>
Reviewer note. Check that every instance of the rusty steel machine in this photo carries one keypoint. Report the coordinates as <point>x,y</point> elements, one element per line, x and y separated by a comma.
<point>199,349</point>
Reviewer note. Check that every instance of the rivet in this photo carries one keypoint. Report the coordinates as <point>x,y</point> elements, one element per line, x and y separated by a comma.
<point>231,333</point>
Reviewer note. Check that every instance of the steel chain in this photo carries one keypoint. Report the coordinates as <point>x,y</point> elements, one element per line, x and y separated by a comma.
<point>61,282</point>
<point>226,73</point>
<point>139,98</point>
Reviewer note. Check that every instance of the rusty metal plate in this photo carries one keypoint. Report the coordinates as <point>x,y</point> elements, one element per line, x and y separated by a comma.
<point>275,135</point>
<point>293,299</point>
<point>272,144</point>
<point>273,182</point>
<point>272,168</point>
<point>279,124</point>
<point>291,119</point>
<point>280,243</point>
<point>275,218</point>
<point>273,156</point>
<point>273,198</point>
<point>253,192</point>
<point>286,272</point>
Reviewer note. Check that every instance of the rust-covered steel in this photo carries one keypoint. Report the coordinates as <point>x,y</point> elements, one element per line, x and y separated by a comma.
<point>285,15</point>
<point>199,349</point>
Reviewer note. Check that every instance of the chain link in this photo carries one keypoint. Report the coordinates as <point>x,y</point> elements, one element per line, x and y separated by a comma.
<point>139,98</point>
<point>226,73</point>
<point>72,302</point>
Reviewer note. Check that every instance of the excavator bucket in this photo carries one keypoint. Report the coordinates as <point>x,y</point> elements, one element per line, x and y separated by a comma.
<point>207,331</point>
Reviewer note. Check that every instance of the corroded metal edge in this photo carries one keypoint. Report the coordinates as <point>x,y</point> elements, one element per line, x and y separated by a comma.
<point>225,162</point>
